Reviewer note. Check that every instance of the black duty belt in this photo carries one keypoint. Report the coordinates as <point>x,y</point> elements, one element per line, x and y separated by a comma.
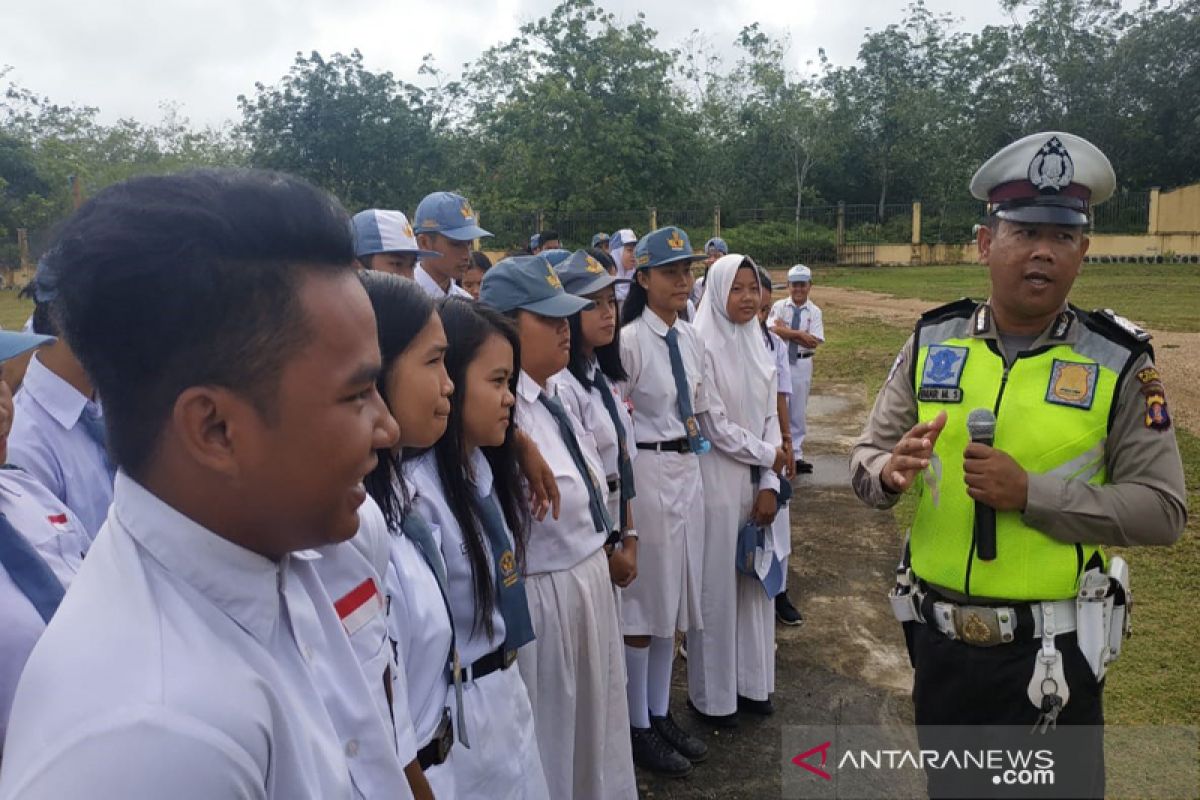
<point>673,446</point>
<point>486,665</point>
<point>439,746</point>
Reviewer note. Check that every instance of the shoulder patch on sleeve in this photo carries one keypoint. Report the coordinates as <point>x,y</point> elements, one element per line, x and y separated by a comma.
<point>963,307</point>
<point>1157,417</point>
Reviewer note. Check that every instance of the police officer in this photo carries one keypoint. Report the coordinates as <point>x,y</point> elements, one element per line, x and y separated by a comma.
<point>384,241</point>
<point>1082,456</point>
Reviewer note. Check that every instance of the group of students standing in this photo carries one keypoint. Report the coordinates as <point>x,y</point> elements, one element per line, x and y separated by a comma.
<point>559,486</point>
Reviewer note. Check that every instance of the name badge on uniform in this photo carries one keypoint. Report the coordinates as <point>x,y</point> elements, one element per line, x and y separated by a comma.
<point>508,568</point>
<point>1073,384</point>
<point>942,374</point>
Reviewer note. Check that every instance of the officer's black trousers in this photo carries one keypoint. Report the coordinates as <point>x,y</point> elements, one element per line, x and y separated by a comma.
<point>960,684</point>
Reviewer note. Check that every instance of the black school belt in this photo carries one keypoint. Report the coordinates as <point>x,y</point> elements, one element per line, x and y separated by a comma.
<point>991,624</point>
<point>438,749</point>
<point>802,355</point>
<point>486,665</point>
<point>673,446</point>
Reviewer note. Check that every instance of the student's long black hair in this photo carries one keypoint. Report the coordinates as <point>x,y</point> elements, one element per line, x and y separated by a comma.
<point>764,280</point>
<point>402,309</point>
<point>468,326</point>
<point>635,301</point>
<point>608,357</point>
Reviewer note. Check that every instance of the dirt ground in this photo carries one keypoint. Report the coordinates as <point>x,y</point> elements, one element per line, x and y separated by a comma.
<point>847,663</point>
<point>1177,355</point>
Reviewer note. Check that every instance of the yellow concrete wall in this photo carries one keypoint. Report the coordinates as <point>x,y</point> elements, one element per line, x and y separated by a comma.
<point>1178,211</point>
<point>1103,247</point>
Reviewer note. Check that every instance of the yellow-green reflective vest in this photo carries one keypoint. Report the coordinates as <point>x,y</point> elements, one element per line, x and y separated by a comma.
<point>1052,410</point>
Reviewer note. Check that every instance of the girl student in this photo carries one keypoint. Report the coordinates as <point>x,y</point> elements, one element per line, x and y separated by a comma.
<point>731,661</point>
<point>475,733</point>
<point>664,359</point>
<point>480,264</point>
<point>573,670</point>
<point>588,388</point>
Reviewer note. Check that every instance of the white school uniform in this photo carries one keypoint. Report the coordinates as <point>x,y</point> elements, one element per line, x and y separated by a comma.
<point>49,442</point>
<point>420,627</point>
<point>59,538</point>
<point>810,322</point>
<point>503,760</point>
<point>586,406</point>
<point>734,654</point>
<point>354,574</point>
<point>669,506</point>
<point>575,669</point>
<point>182,665</point>
<point>781,529</point>
<point>426,282</point>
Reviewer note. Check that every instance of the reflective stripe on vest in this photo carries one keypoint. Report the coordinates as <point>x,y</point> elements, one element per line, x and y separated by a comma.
<point>1052,412</point>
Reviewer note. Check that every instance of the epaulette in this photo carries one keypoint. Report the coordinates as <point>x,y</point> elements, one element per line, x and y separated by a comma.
<point>963,307</point>
<point>1113,326</point>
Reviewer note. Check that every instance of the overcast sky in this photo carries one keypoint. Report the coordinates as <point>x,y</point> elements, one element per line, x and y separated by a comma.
<point>128,56</point>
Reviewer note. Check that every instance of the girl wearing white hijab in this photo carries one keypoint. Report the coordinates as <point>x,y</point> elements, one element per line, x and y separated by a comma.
<point>731,662</point>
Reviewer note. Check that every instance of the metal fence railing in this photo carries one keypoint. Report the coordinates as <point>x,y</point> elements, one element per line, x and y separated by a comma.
<point>1124,212</point>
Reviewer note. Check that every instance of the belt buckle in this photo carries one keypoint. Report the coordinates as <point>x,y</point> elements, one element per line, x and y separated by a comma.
<point>509,657</point>
<point>981,625</point>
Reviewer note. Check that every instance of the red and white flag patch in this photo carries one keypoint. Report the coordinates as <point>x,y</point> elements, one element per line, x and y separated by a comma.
<point>359,605</point>
<point>59,521</point>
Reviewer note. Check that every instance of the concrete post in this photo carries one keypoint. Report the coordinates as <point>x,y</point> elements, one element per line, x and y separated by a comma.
<point>1152,226</point>
<point>717,220</point>
<point>916,222</point>
<point>653,218</point>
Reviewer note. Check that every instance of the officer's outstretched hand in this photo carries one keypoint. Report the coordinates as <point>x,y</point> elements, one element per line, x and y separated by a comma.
<point>994,478</point>
<point>911,454</point>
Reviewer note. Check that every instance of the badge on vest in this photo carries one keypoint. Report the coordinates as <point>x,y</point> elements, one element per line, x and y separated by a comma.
<point>1073,384</point>
<point>508,569</point>
<point>943,373</point>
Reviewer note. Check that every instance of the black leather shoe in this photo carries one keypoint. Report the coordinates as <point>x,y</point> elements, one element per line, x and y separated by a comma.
<point>787,613</point>
<point>803,467</point>
<point>651,752</point>
<point>684,743</point>
<point>719,720</point>
<point>762,708</point>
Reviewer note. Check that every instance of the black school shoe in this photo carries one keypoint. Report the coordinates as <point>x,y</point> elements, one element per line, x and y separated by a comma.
<point>718,720</point>
<point>785,612</point>
<point>803,467</point>
<point>652,752</point>
<point>684,743</point>
<point>762,708</point>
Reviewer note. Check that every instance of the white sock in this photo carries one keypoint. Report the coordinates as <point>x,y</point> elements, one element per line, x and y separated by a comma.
<point>636,659</point>
<point>662,658</point>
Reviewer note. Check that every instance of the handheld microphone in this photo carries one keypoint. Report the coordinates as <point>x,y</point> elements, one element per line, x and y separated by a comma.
<point>981,425</point>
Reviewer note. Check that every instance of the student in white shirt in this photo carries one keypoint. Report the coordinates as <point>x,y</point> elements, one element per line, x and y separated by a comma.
<point>42,545</point>
<point>731,662</point>
<point>446,224</point>
<point>620,247</point>
<point>384,241</point>
<point>798,321</point>
<point>664,358</point>
<point>785,611</point>
<point>58,434</point>
<point>573,669</point>
<point>198,654</point>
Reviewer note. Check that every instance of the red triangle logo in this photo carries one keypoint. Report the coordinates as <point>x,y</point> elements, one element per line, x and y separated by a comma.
<point>802,760</point>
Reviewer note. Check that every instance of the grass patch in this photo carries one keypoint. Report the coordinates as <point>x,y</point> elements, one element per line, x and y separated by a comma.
<point>1153,682</point>
<point>1163,296</point>
<point>13,310</point>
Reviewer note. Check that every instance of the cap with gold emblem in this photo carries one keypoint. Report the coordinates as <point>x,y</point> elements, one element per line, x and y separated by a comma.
<point>448,214</point>
<point>664,246</point>
<point>1049,177</point>
<point>528,282</point>
<point>378,230</point>
<point>583,275</point>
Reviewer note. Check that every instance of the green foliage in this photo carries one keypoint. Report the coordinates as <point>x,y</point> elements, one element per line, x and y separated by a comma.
<point>773,243</point>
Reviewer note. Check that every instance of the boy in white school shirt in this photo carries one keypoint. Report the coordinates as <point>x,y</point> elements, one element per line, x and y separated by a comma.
<point>198,653</point>
<point>574,669</point>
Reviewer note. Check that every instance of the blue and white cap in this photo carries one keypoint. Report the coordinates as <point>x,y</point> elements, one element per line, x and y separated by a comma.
<point>621,238</point>
<point>450,215</point>
<point>555,255</point>
<point>718,244</point>
<point>799,274</point>
<point>529,283</point>
<point>377,230</point>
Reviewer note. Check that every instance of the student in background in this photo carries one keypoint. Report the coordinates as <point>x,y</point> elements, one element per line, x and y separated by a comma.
<point>384,241</point>
<point>731,662</point>
<point>798,321</point>
<point>621,247</point>
<point>58,433</point>
<point>473,277</point>
<point>573,669</point>
<point>785,612</point>
<point>445,223</point>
